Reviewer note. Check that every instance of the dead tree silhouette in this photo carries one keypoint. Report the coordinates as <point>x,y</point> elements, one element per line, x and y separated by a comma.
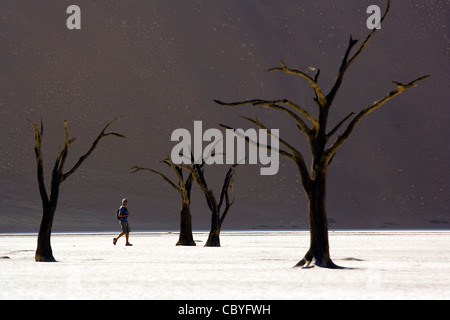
<point>184,189</point>
<point>44,251</point>
<point>323,142</point>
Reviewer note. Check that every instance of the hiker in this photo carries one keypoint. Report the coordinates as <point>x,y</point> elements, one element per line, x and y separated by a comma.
<point>123,220</point>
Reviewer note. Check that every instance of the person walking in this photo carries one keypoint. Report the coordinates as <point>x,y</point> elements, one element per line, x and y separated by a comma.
<point>123,220</point>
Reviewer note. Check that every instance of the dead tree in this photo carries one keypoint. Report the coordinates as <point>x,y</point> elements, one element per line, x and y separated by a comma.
<point>217,214</point>
<point>184,188</point>
<point>49,202</point>
<point>324,143</point>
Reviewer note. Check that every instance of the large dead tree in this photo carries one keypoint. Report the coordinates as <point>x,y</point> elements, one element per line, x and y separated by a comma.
<point>184,189</point>
<point>323,142</point>
<point>49,202</point>
<point>218,212</point>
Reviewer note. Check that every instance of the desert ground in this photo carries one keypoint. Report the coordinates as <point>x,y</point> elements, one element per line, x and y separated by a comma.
<point>249,265</point>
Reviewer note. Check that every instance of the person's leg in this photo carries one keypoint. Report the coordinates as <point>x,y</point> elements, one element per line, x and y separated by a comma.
<point>128,242</point>
<point>127,235</point>
<point>115,239</point>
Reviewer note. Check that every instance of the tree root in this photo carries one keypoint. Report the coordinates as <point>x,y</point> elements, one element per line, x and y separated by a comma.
<point>307,263</point>
<point>186,244</point>
<point>42,258</point>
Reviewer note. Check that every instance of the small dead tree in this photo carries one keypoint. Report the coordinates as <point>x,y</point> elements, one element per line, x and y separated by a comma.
<point>184,189</point>
<point>217,214</point>
<point>324,143</point>
<point>49,202</point>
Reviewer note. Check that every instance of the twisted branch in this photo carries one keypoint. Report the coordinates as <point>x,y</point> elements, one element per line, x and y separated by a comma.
<point>342,138</point>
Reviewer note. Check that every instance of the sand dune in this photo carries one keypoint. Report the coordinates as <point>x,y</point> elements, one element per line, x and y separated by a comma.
<point>162,63</point>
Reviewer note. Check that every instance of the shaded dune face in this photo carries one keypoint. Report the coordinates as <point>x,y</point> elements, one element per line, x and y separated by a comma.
<point>162,65</point>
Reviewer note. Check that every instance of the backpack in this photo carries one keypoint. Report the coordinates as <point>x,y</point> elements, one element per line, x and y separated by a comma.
<point>117,214</point>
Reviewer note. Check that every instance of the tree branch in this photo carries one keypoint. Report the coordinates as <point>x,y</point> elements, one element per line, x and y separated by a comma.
<point>332,132</point>
<point>102,135</point>
<point>275,105</point>
<point>260,125</point>
<point>62,155</point>
<point>177,169</point>
<point>185,186</point>
<point>269,133</point>
<point>320,97</point>
<point>173,185</point>
<point>342,138</point>
<point>296,156</point>
<point>39,160</point>
<point>198,174</point>
<point>227,185</point>
<point>347,63</point>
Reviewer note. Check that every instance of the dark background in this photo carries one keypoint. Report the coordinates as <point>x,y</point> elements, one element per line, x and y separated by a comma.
<point>161,64</point>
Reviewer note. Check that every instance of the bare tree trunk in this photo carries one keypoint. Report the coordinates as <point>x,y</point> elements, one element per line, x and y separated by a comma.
<point>214,233</point>
<point>186,237</point>
<point>213,238</point>
<point>44,251</point>
<point>217,215</point>
<point>319,250</point>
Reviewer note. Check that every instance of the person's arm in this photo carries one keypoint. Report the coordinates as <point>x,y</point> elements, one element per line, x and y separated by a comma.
<point>121,215</point>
